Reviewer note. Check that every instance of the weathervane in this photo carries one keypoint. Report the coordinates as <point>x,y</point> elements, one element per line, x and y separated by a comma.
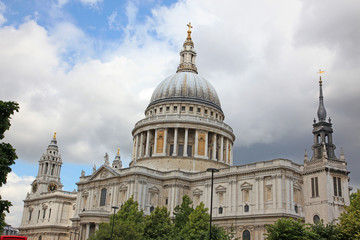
<point>320,72</point>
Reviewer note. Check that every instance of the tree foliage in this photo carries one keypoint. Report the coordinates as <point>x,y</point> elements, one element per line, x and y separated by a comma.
<point>158,225</point>
<point>7,153</point>
<point>188,224</point>
<point>129,223</point>
<point>350,219</point>
<point>323,231</point>
<point>287,228</point>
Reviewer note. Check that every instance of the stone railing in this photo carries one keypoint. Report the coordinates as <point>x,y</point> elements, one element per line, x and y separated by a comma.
<point>183,118</point>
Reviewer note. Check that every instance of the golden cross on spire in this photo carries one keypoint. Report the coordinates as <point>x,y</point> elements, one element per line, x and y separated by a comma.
<point>189,31</point>
<point>54,135</point>
<point>118,151</point>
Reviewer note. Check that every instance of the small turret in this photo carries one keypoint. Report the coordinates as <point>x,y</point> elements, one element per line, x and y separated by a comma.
<point>188,55</point>
<point>117,164</point>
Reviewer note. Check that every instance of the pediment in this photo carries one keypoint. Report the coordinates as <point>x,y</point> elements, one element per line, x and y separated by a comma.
<point>220,189</point>
<point>103,172</point>
<point>197,192</point>
<point>246,185</point>
<point>154,189</point>
<point>297,186</point>
<point>123,188</point>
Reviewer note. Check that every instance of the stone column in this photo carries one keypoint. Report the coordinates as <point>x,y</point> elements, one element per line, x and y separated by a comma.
<point>175,142</point>
<point>214,148</point>
<point>231,155</point>
<point>141,144</point>
<point>227,151</point>
<point>87,231</point>
<point>196,143</point>
<point>147,143</point>
<point>155,142</point>
<point>279,192</point>
<point>206,145</point>
<point>261,190</point>
<point>165,142</point>
<point>274,189</point>
<point>221,148</point>
<point>291,193</point>
<point>136,146</point>
<point>186,142</point>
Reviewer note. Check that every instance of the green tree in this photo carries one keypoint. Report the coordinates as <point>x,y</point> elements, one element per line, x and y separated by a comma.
<point>287,228</point>
<point>7,153</point>
<point>129,224</point>
<point>182,213</point>
<point>350,219</point>
<point>329,231</point>
<point>158,225</point>
<point>197,228</point>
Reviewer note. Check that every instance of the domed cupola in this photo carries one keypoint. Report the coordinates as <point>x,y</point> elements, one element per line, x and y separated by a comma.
<point>186,84</point>
<point>183,128</point>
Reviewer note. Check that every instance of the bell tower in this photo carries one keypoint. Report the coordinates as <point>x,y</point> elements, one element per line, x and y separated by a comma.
<point>48,177</point>
<point>326,189</point>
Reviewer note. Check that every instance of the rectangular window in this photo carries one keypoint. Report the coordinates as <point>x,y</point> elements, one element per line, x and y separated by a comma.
<point>103,197</point>
<point>189,150</point>
<point>166,201</point>
<point>171,149</point>
<point>205,111</point>
<point>160,110</point>
<point>191,109</point>
<point>339,187</point>
<point>212,114</point>
<point>30,213</point>
<point>44,213</point>
<point>314,187</point>
<point>199,110</point>
<point>183,108</point>
<point>335,186</point>
<point>167,109</point>
<point>180,150</point>
<point>175,108</point>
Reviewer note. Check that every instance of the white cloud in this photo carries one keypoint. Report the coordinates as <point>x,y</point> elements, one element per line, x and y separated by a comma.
<point>15,190</point>
<point>92,3</point>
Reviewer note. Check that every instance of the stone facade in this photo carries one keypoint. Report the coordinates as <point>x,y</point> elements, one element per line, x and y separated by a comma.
<point>182,135</point>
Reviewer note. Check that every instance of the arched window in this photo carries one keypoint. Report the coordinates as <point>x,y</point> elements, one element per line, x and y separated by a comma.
<point>103,197</point>
<point>49,212</point>
<point>152,209</point>
<point>296,209</point>
<point>316,219</point>
<point>220,210</point>
<point>246,208</point>
<point>39,237</point>
<point>326,138</point>
<point>318,138</point>
<point>246,235</point>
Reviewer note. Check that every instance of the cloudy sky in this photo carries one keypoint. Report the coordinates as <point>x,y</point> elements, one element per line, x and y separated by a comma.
<point>86,69</point>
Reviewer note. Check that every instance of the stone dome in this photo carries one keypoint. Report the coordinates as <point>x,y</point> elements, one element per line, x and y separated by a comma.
<point>186,86</point>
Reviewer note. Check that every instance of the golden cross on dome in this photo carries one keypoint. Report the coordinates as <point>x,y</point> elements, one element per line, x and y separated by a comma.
<point>118,151</point>
<point>189,25</point>
<point>189,31</point>
<point>54,134</point>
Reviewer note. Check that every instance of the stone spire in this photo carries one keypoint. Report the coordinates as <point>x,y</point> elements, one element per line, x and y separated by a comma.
<point>117,161</point>
<point>50,167</point>
<point>187,55</point>
<point>321,110</point>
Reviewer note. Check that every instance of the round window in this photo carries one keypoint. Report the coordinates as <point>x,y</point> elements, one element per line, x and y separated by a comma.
<point>316,219</point>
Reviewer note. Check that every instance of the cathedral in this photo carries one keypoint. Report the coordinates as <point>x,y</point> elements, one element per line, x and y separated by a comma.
<point>183,134</point>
